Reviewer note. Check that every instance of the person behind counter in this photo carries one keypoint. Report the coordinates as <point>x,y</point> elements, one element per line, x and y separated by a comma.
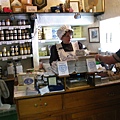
<point>110,59</point>
<point>65,50</point>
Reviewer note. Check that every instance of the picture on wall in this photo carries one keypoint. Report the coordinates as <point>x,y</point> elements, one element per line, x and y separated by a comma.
<point>93,34</point>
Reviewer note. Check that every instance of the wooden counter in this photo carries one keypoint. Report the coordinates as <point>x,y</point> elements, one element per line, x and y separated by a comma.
<point>91,103</point>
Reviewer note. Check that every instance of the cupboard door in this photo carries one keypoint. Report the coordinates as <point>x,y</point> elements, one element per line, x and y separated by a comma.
<point>39,105</point>
<point>90,97</point>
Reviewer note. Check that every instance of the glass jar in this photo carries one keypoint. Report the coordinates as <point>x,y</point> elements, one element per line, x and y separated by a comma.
<point>18,67</point>
<point>10,68</point>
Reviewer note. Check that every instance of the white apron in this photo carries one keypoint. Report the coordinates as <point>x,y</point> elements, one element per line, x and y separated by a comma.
<point>65,56</point>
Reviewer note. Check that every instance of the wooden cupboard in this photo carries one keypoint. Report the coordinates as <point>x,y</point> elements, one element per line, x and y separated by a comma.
<point>94,103</point>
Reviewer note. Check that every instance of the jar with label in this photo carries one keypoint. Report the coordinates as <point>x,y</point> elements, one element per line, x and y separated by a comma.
<point>10,68</point>
<point>18,67</point>
<point>15,36</point>
<point>1,32</point>
<point>23,36</point>
<point>11,36</point>
<point>25,50</point>
<point>12,48</point>
<point>19,31</point>
<point>7,37</point>
<point>2,37</point>
<point>21,50</point>
<point>19,36</point>
<point>28,50</point>
<point>8,53</point>
<point>27,36</point>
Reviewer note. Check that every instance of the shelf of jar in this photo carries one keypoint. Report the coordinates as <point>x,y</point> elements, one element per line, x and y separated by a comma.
<point>15,26</point>
<point>14,41</point>
<point>58,40</point>
<point>16,57</point>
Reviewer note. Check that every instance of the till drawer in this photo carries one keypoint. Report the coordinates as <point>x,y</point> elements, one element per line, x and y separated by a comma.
<point>39,105</point>
<point>94,96</point>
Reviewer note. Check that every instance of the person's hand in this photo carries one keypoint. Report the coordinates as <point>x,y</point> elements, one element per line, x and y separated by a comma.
<point>97,57</point>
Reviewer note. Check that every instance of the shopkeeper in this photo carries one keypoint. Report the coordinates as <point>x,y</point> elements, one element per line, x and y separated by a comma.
<point>65,50</point>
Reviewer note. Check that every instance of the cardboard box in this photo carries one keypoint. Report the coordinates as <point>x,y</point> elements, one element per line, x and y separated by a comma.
<point>17,9</point>
<point>31,8</point>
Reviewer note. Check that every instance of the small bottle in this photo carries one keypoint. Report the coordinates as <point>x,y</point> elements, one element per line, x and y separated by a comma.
<point>8,53</point>
<point>16,48</point>
<point>11,36</point>
<point>25,50</point>
<point>3,23</point>
<point>4,49</point>
<point>7,37</point>
<point>19,22</point>
<point>2,37</point>
<point>7,22</point>
<point>23,36</point>
<point>14,36</point>
<point>19,36</point>
<point>27,36</point>
<point>4,54</point>
<point>23,22</point>
<point>21,50</point>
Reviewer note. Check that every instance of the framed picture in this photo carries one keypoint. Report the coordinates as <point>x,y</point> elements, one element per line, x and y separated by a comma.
<point>40,3</point>
<point>75,6</point>
<point>93,34</point>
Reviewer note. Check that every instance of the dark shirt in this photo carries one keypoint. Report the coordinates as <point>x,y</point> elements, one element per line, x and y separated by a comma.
<point>67,48</point>
<point>117,56</point>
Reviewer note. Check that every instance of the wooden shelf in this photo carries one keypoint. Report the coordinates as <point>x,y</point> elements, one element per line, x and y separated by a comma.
<point>57,40</point>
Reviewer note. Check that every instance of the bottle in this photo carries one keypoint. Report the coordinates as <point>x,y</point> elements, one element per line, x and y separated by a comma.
<point>2,22</point>
<point>7,22</point>
<point>21,50</point>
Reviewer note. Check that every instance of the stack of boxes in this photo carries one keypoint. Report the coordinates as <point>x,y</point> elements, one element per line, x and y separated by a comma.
<point>50,32</point>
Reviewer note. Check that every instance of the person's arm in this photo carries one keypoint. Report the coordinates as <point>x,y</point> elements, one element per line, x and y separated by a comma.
<point>106,59</point>
<point>53,54</point>
<point>112,59</point>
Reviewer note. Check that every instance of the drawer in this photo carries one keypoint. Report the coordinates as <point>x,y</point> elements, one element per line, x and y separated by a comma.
<point>39,105</point>
<point>94,96</point>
